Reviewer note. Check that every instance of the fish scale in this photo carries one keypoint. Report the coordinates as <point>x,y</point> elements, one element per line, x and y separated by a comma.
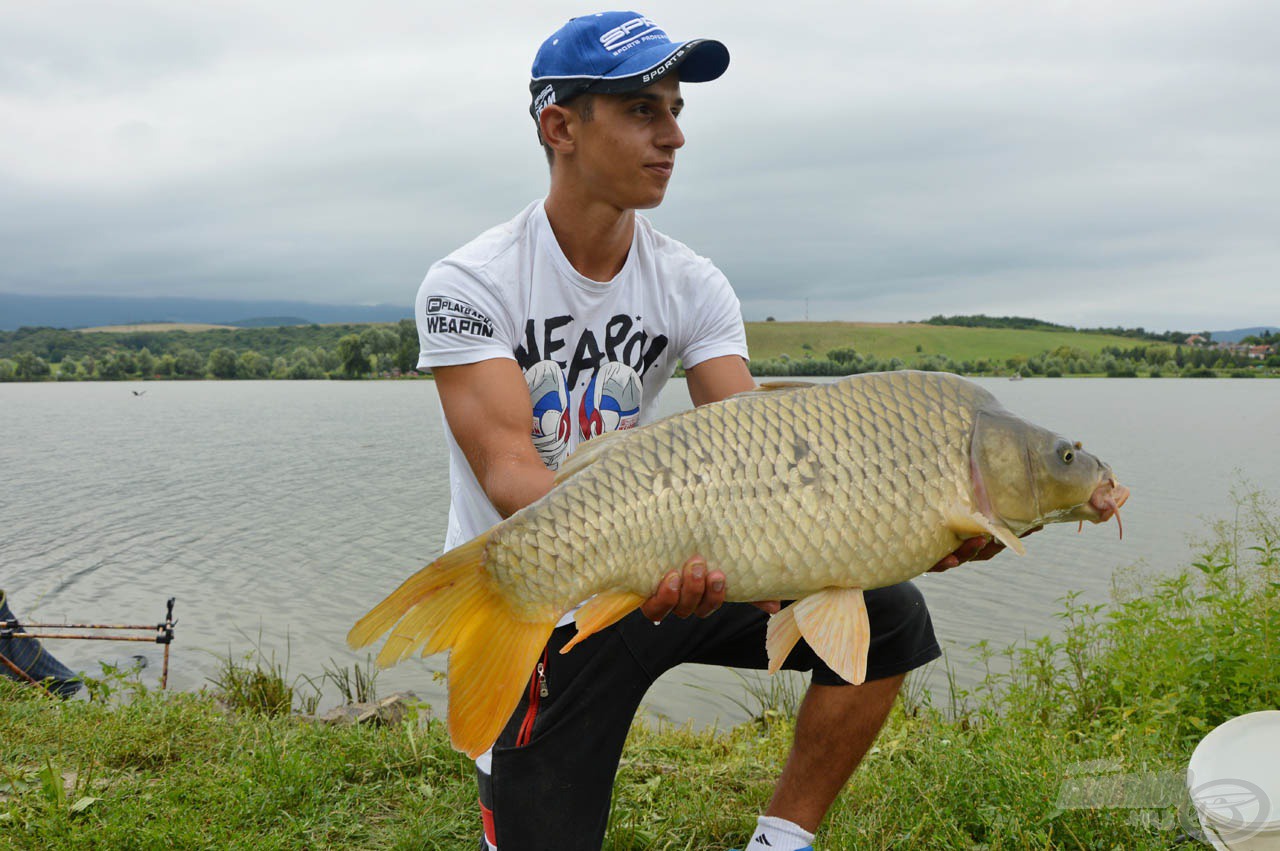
<point>726,506</point>
<point>808,494</point>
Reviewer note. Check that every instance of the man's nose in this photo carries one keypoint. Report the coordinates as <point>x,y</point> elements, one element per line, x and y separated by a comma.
<point>670,135</point>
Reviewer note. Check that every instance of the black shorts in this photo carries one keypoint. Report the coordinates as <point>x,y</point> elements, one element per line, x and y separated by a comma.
<point>554,764</point>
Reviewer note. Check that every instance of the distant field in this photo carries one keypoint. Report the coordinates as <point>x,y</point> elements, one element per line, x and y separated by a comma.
<point>153,326</point>
<point>888,340</point>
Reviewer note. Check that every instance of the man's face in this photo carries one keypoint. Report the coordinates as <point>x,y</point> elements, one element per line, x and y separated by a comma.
<point>626,151</point>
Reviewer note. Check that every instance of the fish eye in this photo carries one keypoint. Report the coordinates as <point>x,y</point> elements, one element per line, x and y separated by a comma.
<point>1068,455</point>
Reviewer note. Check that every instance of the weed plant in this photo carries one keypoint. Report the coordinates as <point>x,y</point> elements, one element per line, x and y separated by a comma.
<point>1079,742</point>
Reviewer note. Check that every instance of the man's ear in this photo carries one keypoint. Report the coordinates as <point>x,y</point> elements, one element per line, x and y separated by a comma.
<point>557,125</point>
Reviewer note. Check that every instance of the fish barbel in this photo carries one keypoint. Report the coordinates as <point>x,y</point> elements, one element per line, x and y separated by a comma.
<point>810,493</point>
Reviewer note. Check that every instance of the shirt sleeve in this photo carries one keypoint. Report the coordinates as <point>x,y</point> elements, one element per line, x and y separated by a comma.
<point>717,328</point>
<point>461,319</point>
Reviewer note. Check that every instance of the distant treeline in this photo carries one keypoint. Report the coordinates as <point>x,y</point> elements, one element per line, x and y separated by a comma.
<point>54,344</point>
<point>1027,323</point>
<point>296,352</point>
<point>364,351</point>
<point>1149,360</point>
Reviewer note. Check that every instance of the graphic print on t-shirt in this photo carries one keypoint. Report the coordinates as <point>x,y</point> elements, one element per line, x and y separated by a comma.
<point>452,316</point>
<point>621,340</point>
<point>552,418</point>
<point>611,401</point>
<point>600,369</point>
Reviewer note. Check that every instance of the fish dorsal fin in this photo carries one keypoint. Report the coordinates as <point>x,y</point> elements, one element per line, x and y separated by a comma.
<point>968,523</point>
<point>768,387</point>
<point>587,453</point>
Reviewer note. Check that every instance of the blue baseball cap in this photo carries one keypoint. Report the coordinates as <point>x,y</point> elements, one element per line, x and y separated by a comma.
<point>615,53</point>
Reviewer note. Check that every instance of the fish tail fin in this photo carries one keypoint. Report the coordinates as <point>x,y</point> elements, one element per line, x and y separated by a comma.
<point>452,604</point>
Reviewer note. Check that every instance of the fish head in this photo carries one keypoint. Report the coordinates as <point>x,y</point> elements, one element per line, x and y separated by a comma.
<point>1025,475</point>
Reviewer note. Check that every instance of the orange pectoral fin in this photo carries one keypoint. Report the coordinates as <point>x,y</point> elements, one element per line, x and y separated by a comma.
<point>601,611</point>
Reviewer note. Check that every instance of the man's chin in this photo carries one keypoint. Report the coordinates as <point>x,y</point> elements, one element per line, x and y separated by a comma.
<point>651,201</point>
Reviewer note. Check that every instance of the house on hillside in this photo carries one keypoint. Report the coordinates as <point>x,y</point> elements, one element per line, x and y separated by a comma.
<point>1196,340</point>
<point>1261,351</point>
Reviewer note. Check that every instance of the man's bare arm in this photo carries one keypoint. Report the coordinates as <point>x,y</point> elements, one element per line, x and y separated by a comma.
<point>718,378</point>
<point>489,412</point>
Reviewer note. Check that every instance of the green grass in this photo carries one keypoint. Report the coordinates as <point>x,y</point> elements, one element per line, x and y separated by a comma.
<point>1125,693</point>
<point>770,339</point>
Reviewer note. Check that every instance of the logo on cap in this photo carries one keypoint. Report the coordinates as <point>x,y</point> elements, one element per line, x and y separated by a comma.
<point>545,98</point>
<point>620,37</point>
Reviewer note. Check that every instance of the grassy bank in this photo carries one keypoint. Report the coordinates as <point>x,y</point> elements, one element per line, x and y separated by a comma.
<point>1125,693</point>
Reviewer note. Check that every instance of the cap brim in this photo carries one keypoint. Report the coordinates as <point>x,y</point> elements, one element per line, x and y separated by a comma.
<point>699,61</point>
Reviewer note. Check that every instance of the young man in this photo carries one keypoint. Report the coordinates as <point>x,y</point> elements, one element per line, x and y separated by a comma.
<point>565,323</point>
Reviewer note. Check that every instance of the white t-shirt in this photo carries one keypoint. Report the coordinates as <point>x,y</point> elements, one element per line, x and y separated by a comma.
<point>595,355</point>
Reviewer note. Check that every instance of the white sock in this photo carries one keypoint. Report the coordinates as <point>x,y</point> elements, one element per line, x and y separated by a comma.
<point>778,834</point>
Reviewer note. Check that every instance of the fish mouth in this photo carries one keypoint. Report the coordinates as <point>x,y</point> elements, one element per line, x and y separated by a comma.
<point>1105,502</point>
<point>1107,498</point>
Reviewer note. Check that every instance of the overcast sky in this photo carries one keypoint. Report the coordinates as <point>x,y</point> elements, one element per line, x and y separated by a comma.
<point>1083,162</point>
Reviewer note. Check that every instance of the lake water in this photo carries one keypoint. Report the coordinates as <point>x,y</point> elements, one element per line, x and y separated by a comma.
<point>278,512</point>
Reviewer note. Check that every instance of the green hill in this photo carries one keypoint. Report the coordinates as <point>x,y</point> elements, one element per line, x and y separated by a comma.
<point>889,340</point>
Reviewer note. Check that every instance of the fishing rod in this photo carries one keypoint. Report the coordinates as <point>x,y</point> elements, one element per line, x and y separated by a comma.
<point>162,633</point>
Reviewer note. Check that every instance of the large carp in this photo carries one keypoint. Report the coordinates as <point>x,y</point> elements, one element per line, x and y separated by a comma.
<point>797,492</point>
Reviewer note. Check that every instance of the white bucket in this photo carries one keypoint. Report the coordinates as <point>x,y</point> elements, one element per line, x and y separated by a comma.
<point>1234,779</point>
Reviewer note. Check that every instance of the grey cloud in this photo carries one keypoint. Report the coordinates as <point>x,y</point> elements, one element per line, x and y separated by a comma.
<point>888,161</point>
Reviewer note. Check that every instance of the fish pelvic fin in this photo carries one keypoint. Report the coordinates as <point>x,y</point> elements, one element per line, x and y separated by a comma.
<point>453,605</point>
<point>968,523</point>
<point>601,611</point>
<point>834,623</point>
<point>780,637</point>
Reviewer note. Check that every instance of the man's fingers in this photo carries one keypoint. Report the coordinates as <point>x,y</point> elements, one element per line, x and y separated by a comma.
<point>693,584</point>
<point>987,551</point>
<point>664,599</point>
<point>995,547</point>
<point>692,591</point>
<point>946,563</point>
<point>713,598</point>
<point>968,549</point>
<point>771,607</point>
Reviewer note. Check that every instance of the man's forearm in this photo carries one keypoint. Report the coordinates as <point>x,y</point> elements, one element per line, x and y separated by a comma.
<point>513,483</point>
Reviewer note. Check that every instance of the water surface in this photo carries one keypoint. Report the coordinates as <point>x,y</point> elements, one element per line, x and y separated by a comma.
<point>278,512</point>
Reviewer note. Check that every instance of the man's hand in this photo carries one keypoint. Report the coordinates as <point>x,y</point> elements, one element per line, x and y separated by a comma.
<point>980,548</point>
<point>693,590</point>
